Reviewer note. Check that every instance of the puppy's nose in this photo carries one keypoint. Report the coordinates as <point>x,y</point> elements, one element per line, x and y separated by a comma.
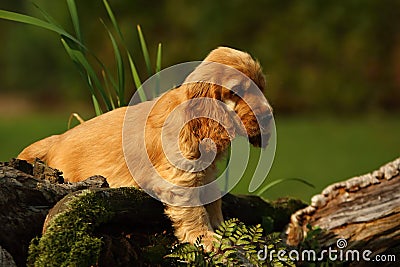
<point>265,118</point>
<point>264,110</point>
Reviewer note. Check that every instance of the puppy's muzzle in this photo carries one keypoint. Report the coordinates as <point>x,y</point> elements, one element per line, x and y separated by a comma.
<point>264,124</point>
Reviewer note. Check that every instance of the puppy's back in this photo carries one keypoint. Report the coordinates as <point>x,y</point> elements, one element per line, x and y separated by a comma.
<point>38,149</point>
<point>91,148</point>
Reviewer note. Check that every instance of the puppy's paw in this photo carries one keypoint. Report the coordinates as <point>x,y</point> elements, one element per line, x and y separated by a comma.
<point>210,241</point>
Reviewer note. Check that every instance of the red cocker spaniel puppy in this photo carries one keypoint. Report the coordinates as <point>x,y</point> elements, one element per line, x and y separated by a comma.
<point>177,137</point>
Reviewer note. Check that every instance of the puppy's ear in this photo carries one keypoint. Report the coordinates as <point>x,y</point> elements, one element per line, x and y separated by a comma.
<point>206,115</point>
<point>203,89</point>
<point>204,100</point>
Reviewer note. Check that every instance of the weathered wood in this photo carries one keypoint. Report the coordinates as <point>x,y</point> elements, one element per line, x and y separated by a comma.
<point>6,259</point>
<point>364,210</point>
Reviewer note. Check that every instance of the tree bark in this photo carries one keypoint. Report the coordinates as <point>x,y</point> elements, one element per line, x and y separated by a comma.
<point>364,210</point>
<point>25,201</point>
<point>137,230</point>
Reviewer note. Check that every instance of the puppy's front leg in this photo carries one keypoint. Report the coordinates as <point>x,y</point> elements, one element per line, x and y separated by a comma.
<point>215,213</point>
<point>190,223</point>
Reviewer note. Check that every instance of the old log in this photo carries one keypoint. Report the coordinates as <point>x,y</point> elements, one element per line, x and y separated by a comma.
<point>134,230</point>
<point>25,201</point>
<point>362,212</point>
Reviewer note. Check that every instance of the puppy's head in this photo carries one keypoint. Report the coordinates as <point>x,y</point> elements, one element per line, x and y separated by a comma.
<point>236,79</point>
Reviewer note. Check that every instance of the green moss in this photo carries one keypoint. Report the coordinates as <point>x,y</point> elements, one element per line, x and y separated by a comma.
<point>68,240</point>
<point>133,194</point>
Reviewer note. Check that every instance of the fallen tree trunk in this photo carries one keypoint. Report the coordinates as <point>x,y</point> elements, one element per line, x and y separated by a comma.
<point>134,230</point>
<point>362,213</point>
<point>25,201</point>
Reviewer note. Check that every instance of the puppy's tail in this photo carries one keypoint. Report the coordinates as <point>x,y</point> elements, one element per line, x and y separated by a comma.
<point>38,149</point>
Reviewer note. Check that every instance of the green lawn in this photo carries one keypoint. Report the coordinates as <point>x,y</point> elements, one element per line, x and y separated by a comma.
<point>17,132</point>
<point>321,150</point>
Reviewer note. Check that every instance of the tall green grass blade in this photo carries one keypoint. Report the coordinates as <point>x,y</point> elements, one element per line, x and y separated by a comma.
<point>96,106</point>
<point>114,22</point>
<point>8,15</point>
<point>75,18</point>
<point>77,52</point>
<point>113,19</point>
<point>78,57</point>
<point>134,73</point>
<point>136,79</point>
<point>227,171</point>
<point>84,74</point>
<point>120,89</point>
<point>276,182</point>
<point>158,61</point>
<point>158,68</point>
<point>107,71</point>
<point>51,25</point>
<point>80,68</point>
<point>47,16</point>
<point>144,50</point>
<point>107,88</point>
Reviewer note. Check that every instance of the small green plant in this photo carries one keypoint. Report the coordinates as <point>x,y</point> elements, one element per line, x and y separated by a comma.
<point>235,245</point>
<point>107,91</point>
<point>311,240</point>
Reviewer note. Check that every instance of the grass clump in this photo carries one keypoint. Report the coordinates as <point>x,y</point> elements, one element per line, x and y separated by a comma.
<point>69,240</point>
<point>108,91</point>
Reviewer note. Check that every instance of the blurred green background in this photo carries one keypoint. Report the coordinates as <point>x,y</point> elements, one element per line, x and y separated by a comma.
<point>333,74</point>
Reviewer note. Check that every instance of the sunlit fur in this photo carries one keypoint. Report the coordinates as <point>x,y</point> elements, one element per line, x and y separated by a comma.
<point>95,146</point>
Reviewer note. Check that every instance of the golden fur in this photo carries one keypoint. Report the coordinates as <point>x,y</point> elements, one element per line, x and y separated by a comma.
<point>95,146</point>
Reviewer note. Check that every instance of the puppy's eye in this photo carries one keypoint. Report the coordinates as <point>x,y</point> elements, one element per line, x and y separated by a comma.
<point>236,91</point>
<point>232,93</point>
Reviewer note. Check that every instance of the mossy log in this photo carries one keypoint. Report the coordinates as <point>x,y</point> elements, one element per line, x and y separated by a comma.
<point>138,228</point>
<point>134,229</point>
<point>25,201</point>
<point>364,210</point>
